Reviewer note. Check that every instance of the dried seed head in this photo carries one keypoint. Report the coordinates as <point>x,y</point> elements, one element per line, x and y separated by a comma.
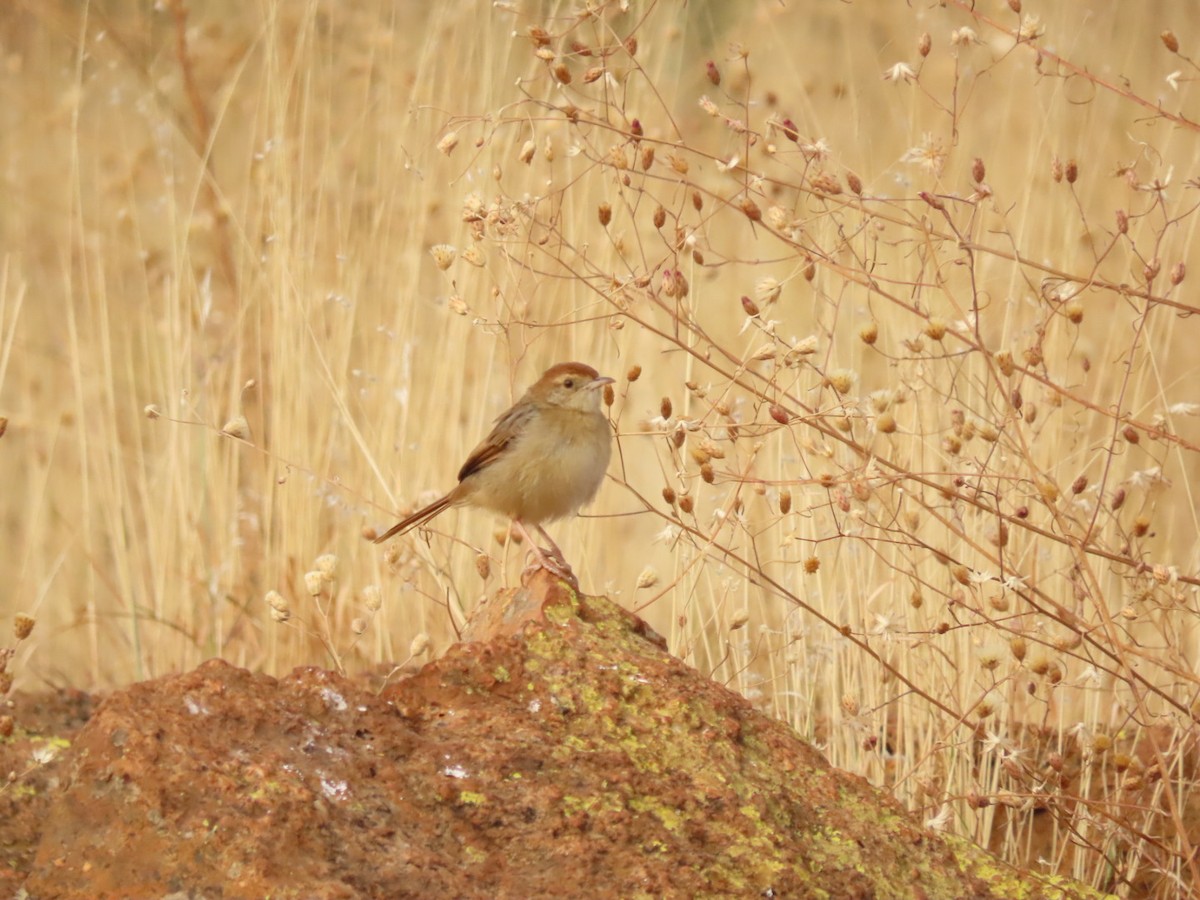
<point>1178,273</point>
<point>1118,499</point>
<point>634,373</point>
<point>22,626</point>
<point>1018,648</point>
<point>631,45</point>
<point>924,44</point>
<point>826,183</point>
<point>960,573</point>
<point>988,432</point>
<point>647,157</point>
<point>279,607</point>
<point>1056,170</point>
<point>706,472</point>
<point>686,504</point>
<point>237,427</point>
<point>679,164</point>
<point>150,411</point>
<point>561,73</point>
<point>739,619</point>
<point>999,535</point>
<point>314,582</point>
<point>841,380</point>
<point>885,423</point>
<point>539,36</point>
<point>1048,491</point>
<point>660,217</point>
<point>372,598</point>
<point>668,494</point>
<point>1072,171</point>
<point>1170,41</point>
<point>749,306</point>
<point>714,74</point>
<point>327,564</point>
<point>1151,269</point>
<point>811,565</point>
<point>750,208</point>
<point>785,501</point>
<point>358,625</point>
<point>604,214</point>
<point>869,333</point>
<point>448,142</point>
<point>593,73</point>
<point>1074,311</point>
<point>935,329</point>
<point>647,578</point>
<point>664,408</point>
<point>855,183</point>
<point>1122,221</point>
<point>1004,360</point>
<point>1079,485</point>
<point>916,599</point>
<point>1032,355</point>
<point>978,170</point>
<point>1131,434</point>
<point>1031,412</point>
<point>419,646</point>
<point>609,395</point>
<point>1141,526</point>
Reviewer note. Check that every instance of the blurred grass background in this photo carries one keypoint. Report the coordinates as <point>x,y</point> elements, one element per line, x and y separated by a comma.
<point>910,547</point>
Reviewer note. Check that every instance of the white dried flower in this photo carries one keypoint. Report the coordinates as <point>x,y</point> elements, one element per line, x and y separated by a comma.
<point>901,71</point>
<point>443,255</point>
<point>930,154</point>
<point>527,151</point>
<point>709,107</point>
<point>768,290</point>
<point>963,37</point>
<point>473,255</point>
<point>448,142</point>
<point>1031,27</point>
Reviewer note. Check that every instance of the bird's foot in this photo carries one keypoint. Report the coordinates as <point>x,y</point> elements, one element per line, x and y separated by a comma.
<point>552,562</point>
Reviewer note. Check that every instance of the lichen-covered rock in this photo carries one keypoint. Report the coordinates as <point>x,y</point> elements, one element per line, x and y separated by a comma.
<point>562,753</point>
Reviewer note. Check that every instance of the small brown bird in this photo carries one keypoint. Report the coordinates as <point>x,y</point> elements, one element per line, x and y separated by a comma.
<point>544,459</point>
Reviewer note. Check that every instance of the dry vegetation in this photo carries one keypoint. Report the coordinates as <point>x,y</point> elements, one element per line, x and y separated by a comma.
<point>897,296</point>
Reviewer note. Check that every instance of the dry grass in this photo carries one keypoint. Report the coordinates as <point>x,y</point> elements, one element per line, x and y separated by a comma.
<point>910,459</point>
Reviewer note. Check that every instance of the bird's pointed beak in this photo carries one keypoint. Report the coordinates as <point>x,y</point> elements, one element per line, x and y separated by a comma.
<point>600,382</point>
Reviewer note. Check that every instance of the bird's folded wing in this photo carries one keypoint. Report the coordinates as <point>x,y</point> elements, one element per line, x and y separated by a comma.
<point>506,429</point>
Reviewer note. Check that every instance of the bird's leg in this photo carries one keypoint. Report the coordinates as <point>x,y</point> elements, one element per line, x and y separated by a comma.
<point>554,553</point>
<point>552,561</point>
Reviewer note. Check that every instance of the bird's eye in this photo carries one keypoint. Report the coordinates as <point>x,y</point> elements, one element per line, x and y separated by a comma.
<point>569,383</point>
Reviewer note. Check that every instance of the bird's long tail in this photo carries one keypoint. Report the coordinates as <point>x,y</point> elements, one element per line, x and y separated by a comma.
<point>418,518</point>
